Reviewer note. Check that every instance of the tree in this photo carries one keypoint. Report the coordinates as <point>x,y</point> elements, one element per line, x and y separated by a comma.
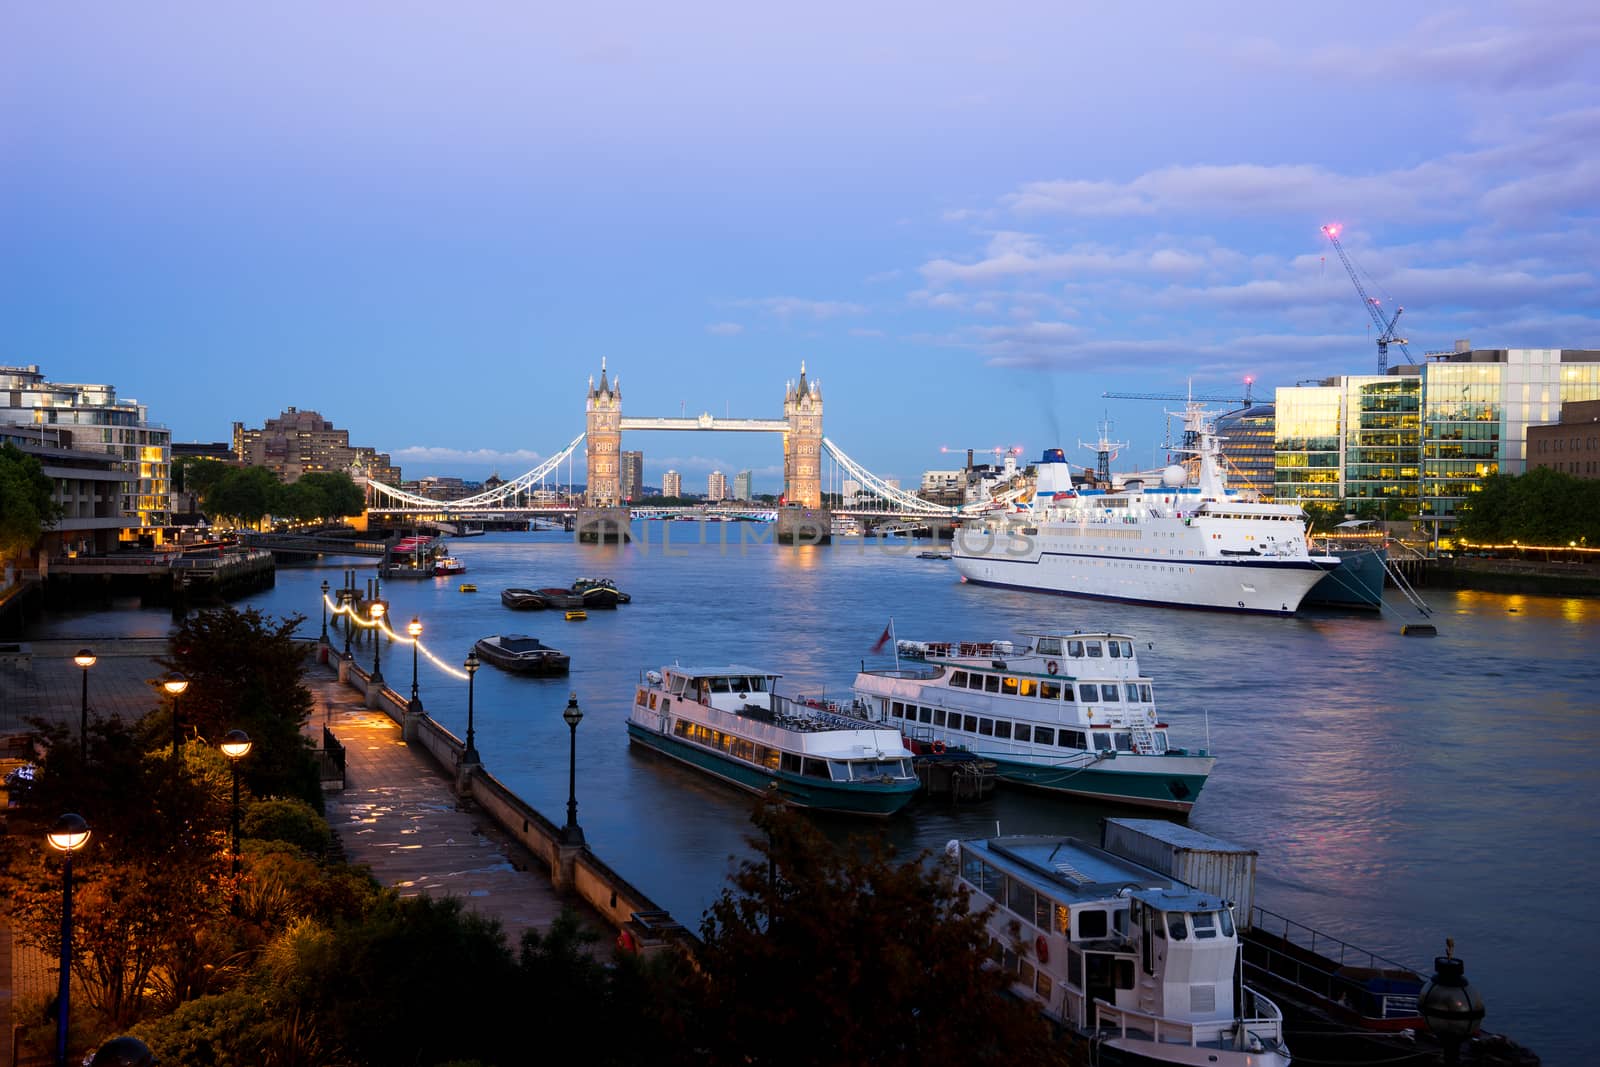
<point>243,494</point>
<point>825,955</point>
<point>197,474</point>
<point>27,502</point>
<point>341,496</point>
<point>244,670</point>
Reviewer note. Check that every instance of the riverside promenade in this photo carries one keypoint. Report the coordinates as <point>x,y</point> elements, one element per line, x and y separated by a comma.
<point>400,813</point>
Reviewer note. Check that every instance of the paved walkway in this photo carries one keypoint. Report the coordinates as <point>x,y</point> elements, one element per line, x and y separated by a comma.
<point>397,813</point>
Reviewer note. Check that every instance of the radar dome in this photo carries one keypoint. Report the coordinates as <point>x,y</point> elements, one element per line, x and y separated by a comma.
<point>1173,476</point>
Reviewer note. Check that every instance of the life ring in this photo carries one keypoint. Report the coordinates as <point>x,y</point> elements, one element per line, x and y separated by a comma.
<point>937,748</point>
<point>1041,948</point>
<point>1052,666</point>
<point>626,943</point>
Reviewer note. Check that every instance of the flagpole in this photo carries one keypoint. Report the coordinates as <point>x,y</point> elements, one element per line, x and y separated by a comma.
<point>896,643</point>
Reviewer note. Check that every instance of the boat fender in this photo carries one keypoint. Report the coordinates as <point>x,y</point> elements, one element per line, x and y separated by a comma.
<point>938,748</point>
<point>626,942</point>
<point>1052,666</point>
<point>1152,714</point>
<point>1041,948</point>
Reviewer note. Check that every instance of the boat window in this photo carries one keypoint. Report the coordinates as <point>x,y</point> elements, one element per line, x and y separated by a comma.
<point>1071,739</point>
<point>1108,694</point>
<point>897,710</point>
<point>816,768</point>
<point>1146,694</point>
<point>1115,649</point>
<point>652,701</point>
<point>1027,687</point>
<point>1049,690</point>
<point>768,757</point>
<point>1093,648</point>
<point>922,715</point>
<point>1088,692</point>
<point>758,685</point>
<point>1205,924</point>
<point>1227,922</point>
<point>791,763</point>
<point>1043,908</point>
<point>1102,742</point>
<point>1131,691</point>
<point>1002,728</point>
<point>982,876</point>
<point>1042,986</point>
<point>1021,898</point>
<point>958,679</point>
<point>1075,968</point>
<point>1008,686</point>
<point>1127,649</point>
<point>991,683</point>
<point>969,723</point>
<point>1119,922</point>
<point>1091,924</point>
<point>641,698</point>
<point>1160,739</point>
<point>1066,692</point>
<point>1049,646</point>
<point>1122,969</point>
<point>1123,742</point>
<point>1022,732</point>
<point>1043,735</point>
<point>1075,649</point>
<point>1061,920</point>
<point>986,727</point>
<point>1176,926</point>
<point>938,716</point>
<point>719,685</point>
<point>677,684</point>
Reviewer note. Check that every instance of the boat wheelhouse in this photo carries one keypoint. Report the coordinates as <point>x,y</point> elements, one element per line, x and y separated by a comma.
<point>1067,713</point>
<point>731,723</point>
<point>1132,964</point>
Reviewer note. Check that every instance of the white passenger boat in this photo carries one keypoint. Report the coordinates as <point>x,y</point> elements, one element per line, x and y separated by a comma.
<point>731,723</point>
<point>1067,713</point>
<point>1168,542</point>
<point>1134,966</point>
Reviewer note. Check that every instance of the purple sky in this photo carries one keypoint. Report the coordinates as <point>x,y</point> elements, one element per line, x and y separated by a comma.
<point>430,222</point>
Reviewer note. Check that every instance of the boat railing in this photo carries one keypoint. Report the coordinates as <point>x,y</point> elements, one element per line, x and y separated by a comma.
<point>1266,1029</point>
<point>800,713</point>
<point>1329,968</point>
<point>917,674</point>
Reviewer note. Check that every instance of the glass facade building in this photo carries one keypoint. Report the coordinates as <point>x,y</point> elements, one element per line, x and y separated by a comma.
<point>1248,447</point>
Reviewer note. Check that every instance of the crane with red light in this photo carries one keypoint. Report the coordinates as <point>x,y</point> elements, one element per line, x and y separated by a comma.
<point>1386,334</point>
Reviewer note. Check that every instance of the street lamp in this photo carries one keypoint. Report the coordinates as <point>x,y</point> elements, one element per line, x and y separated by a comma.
<point>1450,1006</point>
<point>376,612</point>
<point>84,659</point>
<point>471,754</point>
<point>324,611</point>
<point>414,628</point>
<point>175,684</point>
<point>67,836</point>
<point>236,746</point>
<point>572,833</point>
<point>344,601</point>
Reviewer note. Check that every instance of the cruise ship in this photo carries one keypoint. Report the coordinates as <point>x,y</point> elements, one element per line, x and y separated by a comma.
<point>1165,539</point>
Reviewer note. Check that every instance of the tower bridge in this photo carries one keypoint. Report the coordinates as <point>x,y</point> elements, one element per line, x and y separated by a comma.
<point>805,449</point>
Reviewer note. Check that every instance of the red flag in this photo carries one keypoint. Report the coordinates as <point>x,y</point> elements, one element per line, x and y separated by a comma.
<point>882,640</point>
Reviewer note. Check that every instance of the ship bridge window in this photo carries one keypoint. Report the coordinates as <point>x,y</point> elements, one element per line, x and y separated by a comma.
<point>1092,924</point>
<point>1093,649</point>
<point>1146,695</point>
<point>1088,692</point>
<point>1176,927</point>
<point>816,768</point>
<point>1115,649</point>
<point>991,683</point>
<point>1066,692</point>
<point>677,684</point>
<point>1049,690</point>
<point>1205,924</point>
<point>1127,649</point>
<point>1102,742</point>
<point>1109,695</point>
<point>958,679</point>
<point>1008,686</point>
<point>1049,646</point>
<point>756,685</point>
<point>1075,649</point>
<point>1123,742</point>
<point>1131,691</point>
<point>719,685</point>
<point>1227,922</point>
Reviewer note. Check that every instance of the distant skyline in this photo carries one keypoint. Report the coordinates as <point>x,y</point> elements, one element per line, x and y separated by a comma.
<point>431,223</point>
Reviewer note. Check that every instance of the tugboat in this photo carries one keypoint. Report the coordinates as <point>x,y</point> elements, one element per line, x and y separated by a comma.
<point>522,654</point>
<point>599,593</point>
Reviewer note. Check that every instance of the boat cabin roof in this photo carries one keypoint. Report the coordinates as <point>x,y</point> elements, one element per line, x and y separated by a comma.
<point>521,643</point>
<point>1178,897</point>
<point>729,671</point>
<point>1067,867</point>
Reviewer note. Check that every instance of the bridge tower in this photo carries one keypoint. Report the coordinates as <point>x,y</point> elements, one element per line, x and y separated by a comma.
<point>802,443</point>
<point>603,443</point>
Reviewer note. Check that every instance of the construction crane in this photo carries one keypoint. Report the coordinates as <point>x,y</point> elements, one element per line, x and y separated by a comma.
<point>1198,398</point>
<point>1386,334</point>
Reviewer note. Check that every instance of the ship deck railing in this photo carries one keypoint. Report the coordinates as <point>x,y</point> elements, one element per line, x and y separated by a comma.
<point>1219,1033</point>
<point>1328,968</point>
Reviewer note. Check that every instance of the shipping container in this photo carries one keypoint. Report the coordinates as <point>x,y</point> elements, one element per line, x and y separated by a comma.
<point>1208,863</point>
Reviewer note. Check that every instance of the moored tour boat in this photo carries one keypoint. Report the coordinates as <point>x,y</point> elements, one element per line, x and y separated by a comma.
<point>731,723</point>
<point>1169,542</point>
<point>522,654</point>
<point>1134,966</point>
<point>1069,713</point>
<point>448,565</point>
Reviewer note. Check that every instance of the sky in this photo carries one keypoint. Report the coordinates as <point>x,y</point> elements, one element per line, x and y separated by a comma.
<point>430,222</point>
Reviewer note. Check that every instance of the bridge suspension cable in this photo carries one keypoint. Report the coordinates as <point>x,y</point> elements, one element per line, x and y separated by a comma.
<point>496,497</point>
<point>878,487</point>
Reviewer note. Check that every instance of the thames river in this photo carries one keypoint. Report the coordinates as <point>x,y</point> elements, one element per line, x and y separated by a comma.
<point>1399,790</point>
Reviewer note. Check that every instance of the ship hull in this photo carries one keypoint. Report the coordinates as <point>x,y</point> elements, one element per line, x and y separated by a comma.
<point>1358,582</point>
<point>1165,783</point>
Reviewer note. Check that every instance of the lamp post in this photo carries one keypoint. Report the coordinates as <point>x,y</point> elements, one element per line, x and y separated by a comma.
<point>344,601</point>
<point>1450,1006</point>
<point>69,834</point>
<point>324,611</point>
<point>84,659</point>
<point>376,612</point>
<point>471,666</point>
<point>414,628</point>
<point>572,833</point>
<point>236,746</point>
<point>175,684</point>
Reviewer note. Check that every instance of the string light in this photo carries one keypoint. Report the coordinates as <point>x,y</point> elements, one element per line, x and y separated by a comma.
<point>404,639</point>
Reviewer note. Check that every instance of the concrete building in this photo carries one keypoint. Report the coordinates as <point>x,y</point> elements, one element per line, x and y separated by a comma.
<point>631,479</point>
<point>743,488</point>
<point>672,484</point>
<point>300,442</point>
<point>1572,445</point>
<point>1415,441</point>
<point>944,487</point>
<point>90,489</point>
<point>717,486</point>
<point>81,418</point>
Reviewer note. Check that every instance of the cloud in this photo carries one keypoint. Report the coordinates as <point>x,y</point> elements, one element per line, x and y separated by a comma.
<point>523,459</point>
<point>790,307</point>
<point>725,329</point>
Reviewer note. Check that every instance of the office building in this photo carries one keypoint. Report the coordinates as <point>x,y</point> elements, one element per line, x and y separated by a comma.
<point>672,484</point>
<point>1248,445</point>
<point>742,485</point>
<point>632,475</point>
<point>299,442</point>
<point>717,486</point>
<point>1572,445</point>
<point>75,419</point>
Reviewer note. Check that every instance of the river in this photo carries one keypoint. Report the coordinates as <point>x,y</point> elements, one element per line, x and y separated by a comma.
<point>1399,790</point>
